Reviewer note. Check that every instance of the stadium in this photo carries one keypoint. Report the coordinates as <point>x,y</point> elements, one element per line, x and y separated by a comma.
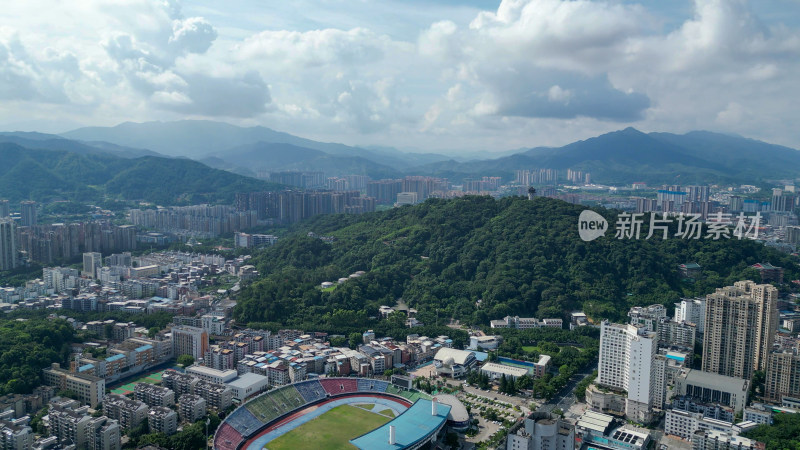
<point>335,413</point>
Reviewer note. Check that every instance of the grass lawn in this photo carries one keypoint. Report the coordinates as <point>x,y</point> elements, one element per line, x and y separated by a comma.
<point>387,412</point>
<point>332,430</point>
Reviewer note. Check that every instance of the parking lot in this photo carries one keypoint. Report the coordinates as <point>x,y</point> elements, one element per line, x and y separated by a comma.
<point>493,411</point>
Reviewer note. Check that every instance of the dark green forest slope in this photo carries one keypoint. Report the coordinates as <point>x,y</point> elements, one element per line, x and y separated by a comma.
<point>27,347</point>
<point>45,175</point>
<point>478,259</point>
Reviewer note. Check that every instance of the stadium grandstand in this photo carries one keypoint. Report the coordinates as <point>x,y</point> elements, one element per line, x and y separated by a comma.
<point>311,390</point>
<point>283,409</point>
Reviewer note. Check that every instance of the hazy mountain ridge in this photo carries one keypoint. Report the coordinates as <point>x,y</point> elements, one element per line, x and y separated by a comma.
<point>45,175</point>
<point>618,157</point>
<point>198,139</point>
<point>631,155</point>
<point>270,156</point>
<point>56,142</point>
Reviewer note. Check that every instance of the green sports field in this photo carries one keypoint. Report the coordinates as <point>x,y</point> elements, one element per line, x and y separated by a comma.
<point>125,389</point>
<point>332,430</point>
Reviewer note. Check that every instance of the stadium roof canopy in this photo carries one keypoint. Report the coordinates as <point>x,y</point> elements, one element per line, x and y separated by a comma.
<point>413,426</point>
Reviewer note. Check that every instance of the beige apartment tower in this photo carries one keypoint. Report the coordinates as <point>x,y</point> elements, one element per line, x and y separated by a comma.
<point>740,325</point>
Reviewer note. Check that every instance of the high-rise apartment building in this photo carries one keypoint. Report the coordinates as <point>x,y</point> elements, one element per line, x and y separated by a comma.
<point>28,213</point>
<point>740,325</point>
<point>91,262</point>
<point>782,375</point>
<point>189,341</point>
<point>793,234</point>
<point>627,358</point>
<point>8,244</point>
<point>692,310</point>
<point>5,211</point>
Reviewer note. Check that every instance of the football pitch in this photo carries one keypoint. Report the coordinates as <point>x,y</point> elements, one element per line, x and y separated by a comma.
<point>125,389</point>
<point>332,430</point>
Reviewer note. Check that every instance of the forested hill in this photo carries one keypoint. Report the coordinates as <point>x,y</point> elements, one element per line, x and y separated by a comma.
<point>478,259</point>
<point>45,175</point>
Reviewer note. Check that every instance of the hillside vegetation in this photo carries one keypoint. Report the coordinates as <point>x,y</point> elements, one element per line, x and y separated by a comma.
<point>44,175</point>
<point>477,259</point>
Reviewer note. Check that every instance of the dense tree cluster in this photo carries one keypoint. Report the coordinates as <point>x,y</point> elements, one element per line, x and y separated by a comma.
<point>477,259</point>
<point>27,347</point>
<point>784,434</point>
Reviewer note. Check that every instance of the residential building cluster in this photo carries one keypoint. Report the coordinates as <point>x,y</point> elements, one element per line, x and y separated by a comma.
<point>196,220</point>
<point>46,244</point>
<point>69,423</point>
<point>164,281</point>
<point>644,366</point>
<point>291,206</point>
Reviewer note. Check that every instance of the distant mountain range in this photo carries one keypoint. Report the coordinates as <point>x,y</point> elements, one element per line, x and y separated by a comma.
<point>128,161</point>
<point>616,158</point>
<point>629,155</point>
<point>202,139</point>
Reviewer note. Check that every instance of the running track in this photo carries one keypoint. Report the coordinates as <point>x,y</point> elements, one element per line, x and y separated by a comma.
<point>309,413</point>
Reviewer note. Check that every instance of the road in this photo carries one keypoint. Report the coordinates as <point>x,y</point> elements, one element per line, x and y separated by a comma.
<point>565,398</point>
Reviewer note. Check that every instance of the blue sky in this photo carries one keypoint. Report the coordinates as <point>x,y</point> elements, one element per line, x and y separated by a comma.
<point>437,76</point>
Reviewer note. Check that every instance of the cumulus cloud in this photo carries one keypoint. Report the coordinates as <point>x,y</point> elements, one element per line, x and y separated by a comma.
<point>527,72</point>
<point>239,96</point>
<point>150,63</point>
<point>565,95</point>
<point>16,73</point>
<point>316,47</point>
<point>543,58</point>
<point>192,35</point>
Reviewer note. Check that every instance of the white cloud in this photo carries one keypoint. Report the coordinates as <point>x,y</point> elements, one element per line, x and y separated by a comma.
<point>529,72</point>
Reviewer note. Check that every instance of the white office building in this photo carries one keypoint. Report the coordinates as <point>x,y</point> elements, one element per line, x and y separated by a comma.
<point>627,360</point>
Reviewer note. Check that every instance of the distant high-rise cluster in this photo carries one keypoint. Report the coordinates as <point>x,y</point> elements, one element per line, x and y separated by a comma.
<point>678,199</point>
<point>293,206</point>
<point>386,191</point>
<point>348,183</point>
<point>299,179</point>
<point>536,176</point>
<point>49,243</point>
<point>579,176</point>
<point>203,220</point>
<point>783,201</point>
<point>484,184</point>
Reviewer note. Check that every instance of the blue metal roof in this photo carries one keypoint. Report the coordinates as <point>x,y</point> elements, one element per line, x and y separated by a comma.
<point>115,358</point>
<point>84,368</point>
<point>411,427</point>
<point>144,348</point>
